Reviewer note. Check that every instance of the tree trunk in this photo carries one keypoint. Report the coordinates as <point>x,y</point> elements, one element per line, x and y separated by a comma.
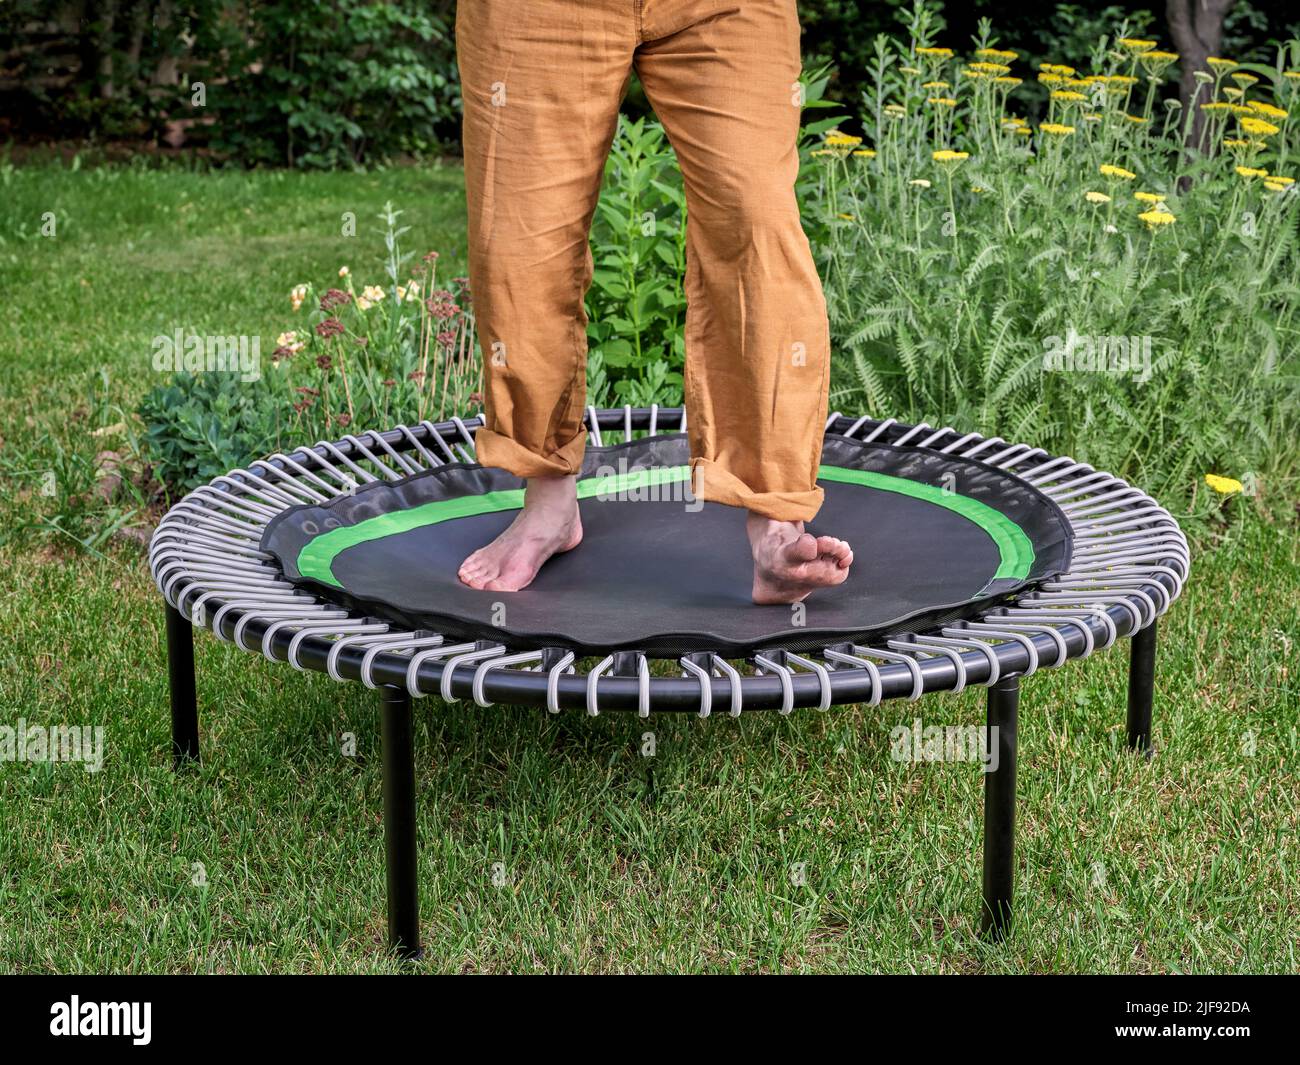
<point>106,44</point>
<point>1196,27</point>
<point>167,70</point>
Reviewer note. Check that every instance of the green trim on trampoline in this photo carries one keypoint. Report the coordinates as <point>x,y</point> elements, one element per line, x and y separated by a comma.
<point>316,559</point>
<point>1015,548</point>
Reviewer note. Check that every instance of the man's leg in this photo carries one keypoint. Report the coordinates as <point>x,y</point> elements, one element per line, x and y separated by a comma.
<point>723,78</point>
<point>541,83</point>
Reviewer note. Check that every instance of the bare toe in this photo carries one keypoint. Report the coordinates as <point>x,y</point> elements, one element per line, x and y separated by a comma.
<point>802,549</point>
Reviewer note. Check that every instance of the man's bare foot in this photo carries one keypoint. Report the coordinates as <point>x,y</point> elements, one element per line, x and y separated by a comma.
<point>790,564</point>
<point>547,525</point>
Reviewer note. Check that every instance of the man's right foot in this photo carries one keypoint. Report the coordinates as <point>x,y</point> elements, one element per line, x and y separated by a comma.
<point>548,524</point>
<point>790,564</point>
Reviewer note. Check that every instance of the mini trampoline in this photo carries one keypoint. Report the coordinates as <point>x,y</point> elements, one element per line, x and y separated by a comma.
<point>978,561</point>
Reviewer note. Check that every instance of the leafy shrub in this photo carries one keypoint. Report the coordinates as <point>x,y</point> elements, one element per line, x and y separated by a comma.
<point>328,85</point>
<point>309,83</point>
<point>366,357</point>
<point>977,268</point>
<point>636,306</point>
<point>201,425</point>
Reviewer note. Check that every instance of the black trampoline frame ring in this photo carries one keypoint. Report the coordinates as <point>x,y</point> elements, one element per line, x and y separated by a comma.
<point>1130,561</point>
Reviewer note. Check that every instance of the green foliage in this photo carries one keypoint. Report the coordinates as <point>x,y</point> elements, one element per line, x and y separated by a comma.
<point>1019,291</point>
<point>304,83</point>
<point>367,356</point>
<point>636,306</point>
<point>334,85</point>
<point>201,425</point>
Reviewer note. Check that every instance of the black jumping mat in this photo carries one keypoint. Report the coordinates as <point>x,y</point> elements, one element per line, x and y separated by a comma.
<point>935,538</point>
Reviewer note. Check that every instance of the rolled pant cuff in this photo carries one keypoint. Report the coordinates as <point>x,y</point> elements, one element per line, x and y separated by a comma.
<point>713,484</point>
<point>494,449</point>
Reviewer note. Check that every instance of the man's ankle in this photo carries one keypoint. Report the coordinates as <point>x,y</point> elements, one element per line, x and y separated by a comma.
<point>550,490</point>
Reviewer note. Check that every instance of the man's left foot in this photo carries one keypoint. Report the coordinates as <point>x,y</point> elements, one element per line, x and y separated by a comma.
<point>790,564</point>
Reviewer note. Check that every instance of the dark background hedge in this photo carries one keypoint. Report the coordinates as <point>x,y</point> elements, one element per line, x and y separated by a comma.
<point>323,83</point>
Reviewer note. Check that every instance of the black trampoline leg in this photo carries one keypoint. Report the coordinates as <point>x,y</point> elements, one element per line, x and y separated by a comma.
<point>180,669</point>
<point>1141,688</point>
<point>1000,809</point>
<point>399,821</point>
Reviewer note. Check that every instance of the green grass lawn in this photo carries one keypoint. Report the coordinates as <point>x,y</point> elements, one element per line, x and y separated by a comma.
<point>551,843</point>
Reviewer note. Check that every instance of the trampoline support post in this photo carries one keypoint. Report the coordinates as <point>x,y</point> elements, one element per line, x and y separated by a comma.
<point>399,822</point>
<point>180,671</point>
<point>1000,808</point>
<point>1141,688</point>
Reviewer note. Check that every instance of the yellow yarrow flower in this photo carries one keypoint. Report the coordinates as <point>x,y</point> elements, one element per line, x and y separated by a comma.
<point>1056,129</point>
<point>865,153</point>
<point>1221,64</point>
<point>939,53</point>
<point>909,70</point>
<point>1050,79</point>
<point>838,143</point>
<point>1267,109</point>
<point>935,85</point>
<point>1214,105</point>
<point>1225,486</point>
<point>1137,120</point>
<point>1276,186</point>
<point>995,53</point>
<point>1068,95</point>
<point>991,68</point>
<point>946,157</point>
<point>1249,172</point>
<point>1283,178</point>
<point>1236,142</point>
<point>1004,80</point>
<point>1259,127</point>
<point>1156,218</point>
<point>1148,197</point>
<point>1096,197</point>
<point>942,101</point>
<point>1135,44</point>
<point>1118,172</point>
<point>1242,78</point>
<point>1057,68</point>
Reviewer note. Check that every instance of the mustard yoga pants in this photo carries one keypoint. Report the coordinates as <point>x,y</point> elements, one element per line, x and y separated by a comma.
<point>542,81</point>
